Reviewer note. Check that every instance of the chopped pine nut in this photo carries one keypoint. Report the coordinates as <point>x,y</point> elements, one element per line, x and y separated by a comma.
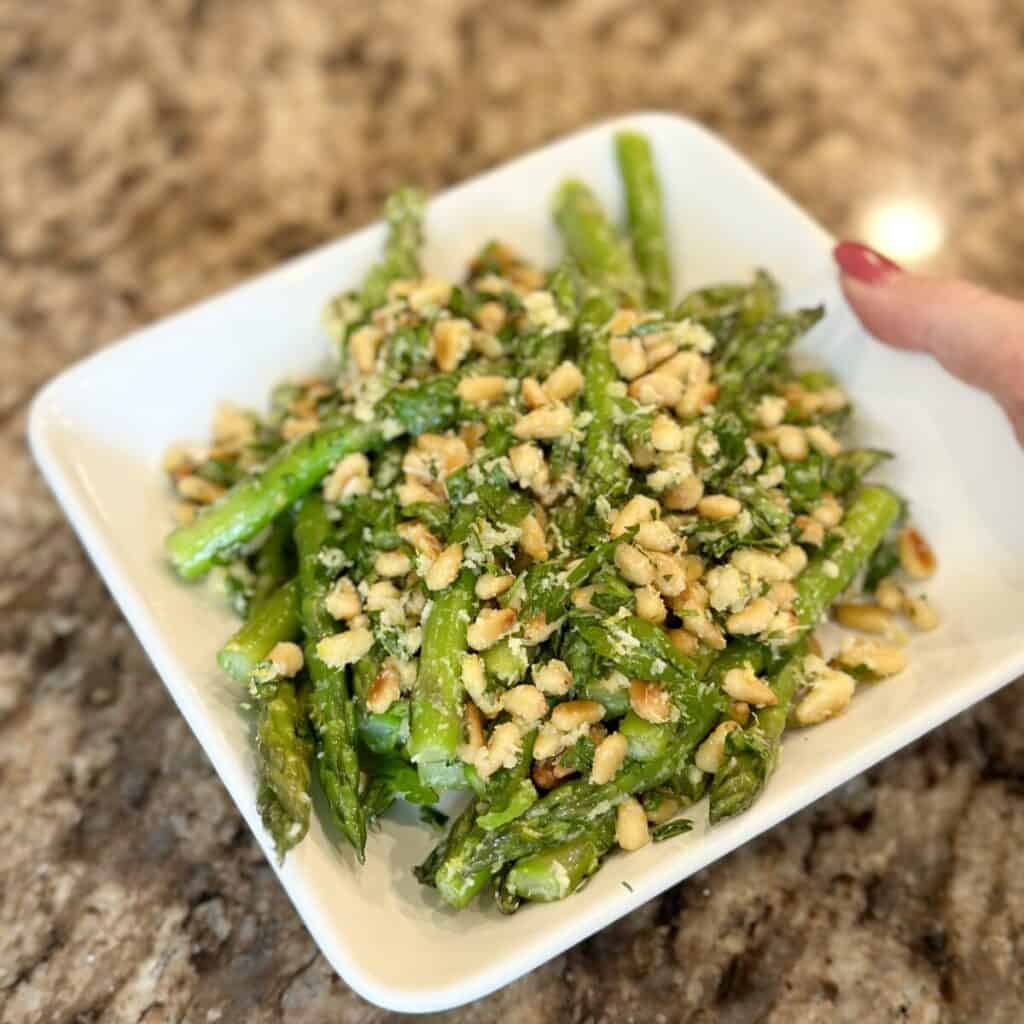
<point>916,555</point>
<point>631,831</point>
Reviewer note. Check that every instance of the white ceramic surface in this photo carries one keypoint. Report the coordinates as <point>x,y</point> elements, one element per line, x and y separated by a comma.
<point>98,431</point>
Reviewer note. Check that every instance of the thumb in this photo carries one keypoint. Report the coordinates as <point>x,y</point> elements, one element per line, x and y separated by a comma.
<point>975,334</point>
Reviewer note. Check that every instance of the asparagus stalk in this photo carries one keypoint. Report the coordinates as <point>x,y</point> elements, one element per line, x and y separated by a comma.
<point>283,750</point>
<point>331,708</point>
<point>753,752</point>
<point>646,216</point>
<point>404,211</point>
<point>603,258</point>
<point>271,621</point>
<point>256,501</point>
<point>436,714</point>
<point>560,870</point>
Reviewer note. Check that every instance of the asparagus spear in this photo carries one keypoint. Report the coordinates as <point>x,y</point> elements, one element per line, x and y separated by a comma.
<point>606,470</point>
<point>272,620</point>
<point>331,708</point>
<point>401,258</point>
<point>560,870</point>
<point>603,258</point>
<point>436,721</point>
<point>256,501</point>
<point>753,752</point>
<point>283,750</point>
<point>297,468</point>
<point>646,216</point>
<point>755,351</point>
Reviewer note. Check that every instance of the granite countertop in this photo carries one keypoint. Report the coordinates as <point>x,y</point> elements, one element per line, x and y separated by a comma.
<point>156,151</point>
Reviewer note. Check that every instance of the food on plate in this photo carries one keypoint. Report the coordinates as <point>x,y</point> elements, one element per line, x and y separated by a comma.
<point>548,537</point>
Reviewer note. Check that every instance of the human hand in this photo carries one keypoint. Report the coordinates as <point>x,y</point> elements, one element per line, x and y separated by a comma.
<point>974,333</point>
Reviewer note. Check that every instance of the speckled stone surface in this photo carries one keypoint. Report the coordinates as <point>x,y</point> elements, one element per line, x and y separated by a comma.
<point>155,151</point>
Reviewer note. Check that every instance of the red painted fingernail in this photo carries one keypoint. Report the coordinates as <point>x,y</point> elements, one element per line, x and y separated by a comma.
<point>863,263</point>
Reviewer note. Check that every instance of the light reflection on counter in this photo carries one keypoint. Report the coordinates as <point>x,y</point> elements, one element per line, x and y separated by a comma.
<point>908,229</point>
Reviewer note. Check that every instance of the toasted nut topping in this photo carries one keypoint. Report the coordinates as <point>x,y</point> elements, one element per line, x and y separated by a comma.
<point>430,291</point>
<point>822,441</point>
<point>531,538</point>
<point>491,316</point>
<point>574,713</point>
<point>771,411</point>
<point>921,614</point>
<point>811,531</point>
<point>550,741</point>
<point>650,606</point>
<point>656,536</point>
<point>184,513</point>
<point>791,442</point>
<point>286,659</point>
<point>829,696</point>
<point>295,427</point>
<point>349,477</point>
<point>608,758</point>
<point>890,595</point>
<point>628,356</point>
<point>783,595</point>
<point>634,565</point>
<point>868,618</point>
<point>452,339</point>
<point>474,680</point>
<point>711,752</point>
<point>739,712</point>
<point>553,678</point>
<point>473,726</point>
<point>761,565</point>
<point>232,426</point>
<point>197,489</point>
<point>795,559</point>
<point>656,389</point>
<point>665,810</point>
<point>489,586</point>
<point>742,684</point>
<point>538,629</point>
<point>525,702</point>
<point>528,464</point>
<point>422,540</point>
<point>532,393</point>
<point>755,618</point>
<point>563,382</point>
<point>381,596</point>
<point>666,434</point>
<point>650,701</point>
<point>828,512</point>
<point>553,421</point>
<point>685,643</point>
<point>705,630</point>
<point>685,495</point>
<point>490,626</point>
<point>718,506</point>
<point>637,510</point>
<point>916,555</point>
<point>413,492</point>
<point>391,564</point>
<point>480,390</point>
<point>874,658</point>
<point>342,601</point>
<point>669,573</point>
<point>445,568</point>
<point>631,832</point>
<point>501,751</point>
<point>343,649</point>
<point>385,689</point>
<point>362,346</point>
<point>582,598</point>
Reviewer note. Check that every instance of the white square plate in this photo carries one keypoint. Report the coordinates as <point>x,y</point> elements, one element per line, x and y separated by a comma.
<point>99,429</point>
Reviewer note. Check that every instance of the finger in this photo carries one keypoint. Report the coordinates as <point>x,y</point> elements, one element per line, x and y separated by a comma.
<point>975,334</point>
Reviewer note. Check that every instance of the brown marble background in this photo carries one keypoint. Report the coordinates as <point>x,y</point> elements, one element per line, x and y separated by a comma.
<point>155,151</point>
